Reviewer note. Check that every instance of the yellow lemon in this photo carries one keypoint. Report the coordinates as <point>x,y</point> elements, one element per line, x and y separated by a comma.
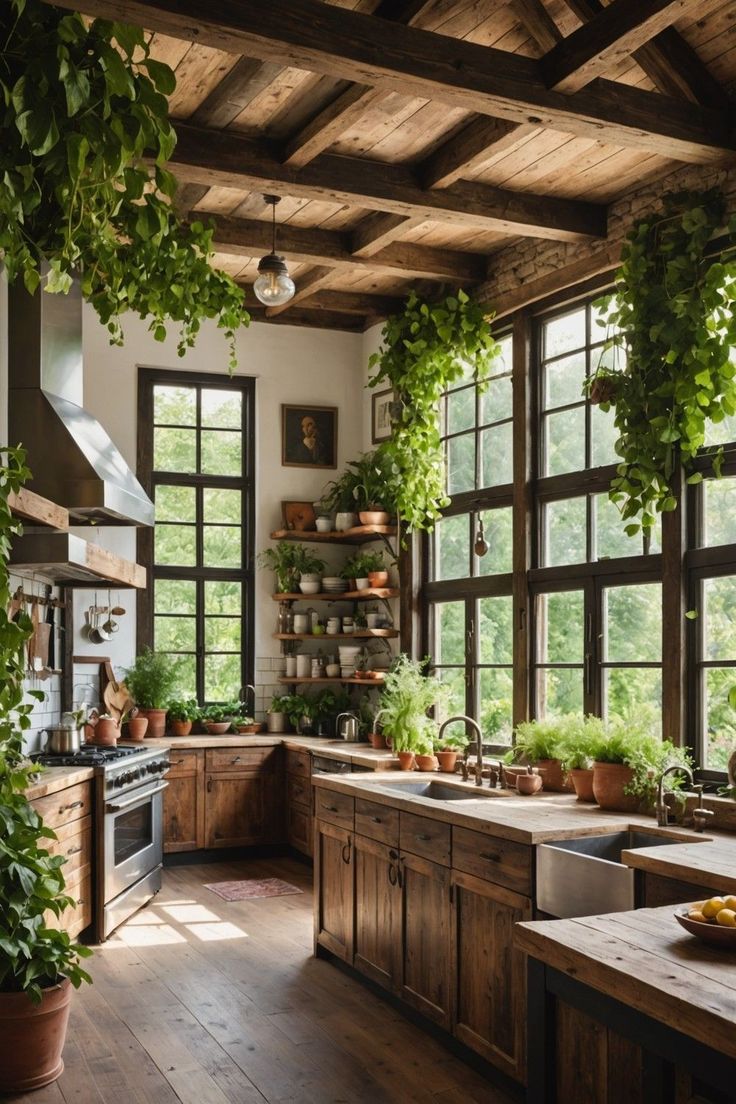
<point>730,903</point>
<point>697,905</point>
<point>726,917</point>
<point>696,914</point>
<point>712,907</point>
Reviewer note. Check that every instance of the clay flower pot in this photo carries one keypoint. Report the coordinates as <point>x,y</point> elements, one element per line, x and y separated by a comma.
<point>374,517</point>
<point>609,780</point>
<point>528,783</point>
<point>427,763</point>
<point>106,732</point>
<point>378,579</point>
<point>180,728</point>
<point>582,781</point>
<point>156,721</point>
<point>33,1038</point>
<point>447,761</point>
<point>217,728</point>
<point>553,775</point>
<point>406,760</point>
<point>378,740</point>
<point>137,727</point>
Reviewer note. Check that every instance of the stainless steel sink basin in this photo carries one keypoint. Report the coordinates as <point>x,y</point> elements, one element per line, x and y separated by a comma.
<point>437,791</point>
<point>585,877</point>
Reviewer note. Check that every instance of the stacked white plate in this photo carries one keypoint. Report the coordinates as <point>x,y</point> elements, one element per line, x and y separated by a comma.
<point>333,584</point>
<point>348,656</point>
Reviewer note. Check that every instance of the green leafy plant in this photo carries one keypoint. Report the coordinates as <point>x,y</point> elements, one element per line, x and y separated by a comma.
<point>184,710</point>
<point>537,740</point>
<point>360,565</point>
<point>672,311</point>
<point>289,561</point>
<point>219,712</point>
<point>279,703</point>
<point>86,136</point>
<point>408,694</point>
<point>32,954</point>
<point>426,348</point>
<point>368,483</point>
<point>631,742</point>
<point>579,741</point>
<point>453,741</point>
<point>151,679</point>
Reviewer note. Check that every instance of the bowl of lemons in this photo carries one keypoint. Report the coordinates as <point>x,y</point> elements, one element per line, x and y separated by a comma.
<point>713,921</point>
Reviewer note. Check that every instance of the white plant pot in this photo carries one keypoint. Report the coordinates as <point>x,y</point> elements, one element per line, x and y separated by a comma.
<point>362,584</point>
<point>344,521</point>
<point>276,722</point>
<point>324,524</point>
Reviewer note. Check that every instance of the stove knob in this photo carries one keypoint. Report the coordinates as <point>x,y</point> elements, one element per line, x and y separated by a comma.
<point>118,782</point>
<point>152,768</point>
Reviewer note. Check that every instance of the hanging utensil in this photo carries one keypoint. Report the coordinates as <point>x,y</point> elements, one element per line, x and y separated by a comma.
<point>109,626</point>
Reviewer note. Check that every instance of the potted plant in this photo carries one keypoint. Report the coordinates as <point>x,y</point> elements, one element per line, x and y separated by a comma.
<point>248,726</point>
<point>628,761</point>
<point>407,696</point>
<point>106,731</point>
<point>375,568</point>
<point>182,715</point>
<point>425,758</point>
<point>150,682</point>
<point>135,723</point>
<point>38,963</point>
<point>374,486</point>
<point>337,498</point>
<point>325,707</point>
<point>539,743</point>
<point>448,748</point>
<point>290,562</point>
<point>276,713</point>
<point>577,749</point>
<point>217,719</point>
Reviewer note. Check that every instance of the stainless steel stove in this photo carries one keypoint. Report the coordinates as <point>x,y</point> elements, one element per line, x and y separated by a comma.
<point>129,785</point>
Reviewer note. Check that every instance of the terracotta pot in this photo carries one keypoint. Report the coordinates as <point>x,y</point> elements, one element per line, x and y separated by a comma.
<point>378,579</point>
<point>528,783</point>
<point>106,732</point>
<point>180,728</point>
<point>377,739</point>
<point>553,776</point>
<point>427,763</point>
<point>156,722</point>
<point>609,780</point>
<point>137,727</point>
<point>374,517</point>
<point>582,781</point>
<point>33,1038</point>
<point>249,729</point>
<point>217,728</point>
<point>406,760</point>
<point>447,761</point>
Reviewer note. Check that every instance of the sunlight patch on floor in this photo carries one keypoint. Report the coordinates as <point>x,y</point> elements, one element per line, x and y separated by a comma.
<point>189,913</point>
<point>222,929</point>
<point>150,935</point>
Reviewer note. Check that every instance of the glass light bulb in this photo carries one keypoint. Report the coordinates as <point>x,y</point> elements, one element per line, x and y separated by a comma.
<point>274,288</point>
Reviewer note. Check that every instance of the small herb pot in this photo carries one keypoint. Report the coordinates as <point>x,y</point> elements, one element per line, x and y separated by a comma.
<point>344,520</point>
<point>378,579</point>
<point>377,740</point>
<point>374,517</point>
<point>362,584</point>
<point>106,732</point>
<point>447,761</point>
<point>180,728</point>
<point>427,763</point>
<point>276,722</point>
<point>137,727</point>
<point>217,728</point>
<point>406,760</point>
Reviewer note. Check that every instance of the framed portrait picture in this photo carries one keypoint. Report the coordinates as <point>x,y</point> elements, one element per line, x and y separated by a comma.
<point>308,436</point>
<point>381,416</point>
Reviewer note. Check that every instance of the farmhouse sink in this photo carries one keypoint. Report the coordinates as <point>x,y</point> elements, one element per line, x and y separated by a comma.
<point>586,877</point>
<point>437,791</point>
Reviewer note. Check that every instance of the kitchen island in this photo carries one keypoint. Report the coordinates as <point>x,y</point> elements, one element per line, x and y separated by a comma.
<point>628,1006</point>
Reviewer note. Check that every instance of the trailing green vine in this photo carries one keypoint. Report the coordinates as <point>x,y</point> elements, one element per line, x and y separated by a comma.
<point>675,320</point>
<point>82,106</point>
<point>427,348</point>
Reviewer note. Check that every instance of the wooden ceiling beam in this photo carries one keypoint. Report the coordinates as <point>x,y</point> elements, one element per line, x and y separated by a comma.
<point>312,35</point>
<point>246,80</point>
<point>252,237</point>
<point>229,160</point>
<point>314,319</point>
<point>608,38</point>
<point>478,141</point>
<point>378,230</point>
<point>342,302</point>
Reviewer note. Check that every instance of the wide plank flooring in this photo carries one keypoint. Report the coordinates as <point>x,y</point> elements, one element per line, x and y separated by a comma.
<point>204,1001</point>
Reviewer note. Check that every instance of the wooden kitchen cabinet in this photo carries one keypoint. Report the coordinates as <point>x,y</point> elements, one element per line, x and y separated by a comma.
<point>334,889</point>
<point>377,930</point>
<point>489,974</point>
<point>299,819</point>
<point>184,802</point>
<point>239,810</point>
<point>68,813</point>
<point>425,945</point>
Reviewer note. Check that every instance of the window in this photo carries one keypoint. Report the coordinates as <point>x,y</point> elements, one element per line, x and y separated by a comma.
<point>196,432</point>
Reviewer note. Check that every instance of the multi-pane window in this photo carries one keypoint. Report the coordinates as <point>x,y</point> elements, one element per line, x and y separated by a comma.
<point>199,437</point>
<point>477,428</point>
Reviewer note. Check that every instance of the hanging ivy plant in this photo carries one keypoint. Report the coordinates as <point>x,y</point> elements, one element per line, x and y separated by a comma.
<point>673,309</point>
<point>427,348</point>
<point>82,106</point>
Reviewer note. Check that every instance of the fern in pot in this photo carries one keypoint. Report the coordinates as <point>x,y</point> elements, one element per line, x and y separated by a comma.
<point>407,697</point>
<point>150,682</point>
<point>579,744</point>
<point>628,762</point>
<point>539,744</point>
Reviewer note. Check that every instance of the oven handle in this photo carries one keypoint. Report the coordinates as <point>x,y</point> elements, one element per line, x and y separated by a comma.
<point>134,800</point>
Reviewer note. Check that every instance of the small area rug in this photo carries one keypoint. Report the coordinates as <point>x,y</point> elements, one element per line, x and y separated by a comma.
<point>252,887</point>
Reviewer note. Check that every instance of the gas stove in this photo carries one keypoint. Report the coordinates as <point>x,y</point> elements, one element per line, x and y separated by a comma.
<point>89,756</point>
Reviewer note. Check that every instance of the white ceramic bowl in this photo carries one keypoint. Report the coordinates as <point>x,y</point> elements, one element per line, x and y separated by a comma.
<point>310,588</point>
<point>332,670</point>
<point>347,672</point>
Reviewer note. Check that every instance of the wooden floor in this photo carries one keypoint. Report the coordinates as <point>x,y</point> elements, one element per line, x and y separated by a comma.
<point>203,1001</point>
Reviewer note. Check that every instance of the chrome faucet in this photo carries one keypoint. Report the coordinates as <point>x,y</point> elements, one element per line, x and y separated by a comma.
<point>478,746</point>
<point>661,808</point>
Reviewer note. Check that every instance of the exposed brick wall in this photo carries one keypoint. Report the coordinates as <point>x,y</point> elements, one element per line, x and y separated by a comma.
<point>530,258</point>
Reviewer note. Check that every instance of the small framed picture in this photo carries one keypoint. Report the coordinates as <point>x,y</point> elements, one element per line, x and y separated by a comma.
<point>308,436</point>
<point>381,416</point>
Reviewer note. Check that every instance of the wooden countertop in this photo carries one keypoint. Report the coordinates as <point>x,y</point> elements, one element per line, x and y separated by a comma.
<point>711,864</point>
<point>647,961</point>
<point>359,754</point>
<point>54,779</point>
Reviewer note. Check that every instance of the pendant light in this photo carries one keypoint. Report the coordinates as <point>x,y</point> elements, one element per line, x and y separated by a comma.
<point>481,544</point>
<point>273,285</point>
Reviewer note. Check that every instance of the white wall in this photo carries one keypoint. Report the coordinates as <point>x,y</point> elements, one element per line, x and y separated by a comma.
<point>290,364</point>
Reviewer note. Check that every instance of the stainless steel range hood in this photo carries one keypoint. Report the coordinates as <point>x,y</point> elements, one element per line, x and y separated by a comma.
<point>73,460</point>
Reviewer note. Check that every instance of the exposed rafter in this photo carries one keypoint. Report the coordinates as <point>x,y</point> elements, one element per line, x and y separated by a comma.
<point>312,35</point>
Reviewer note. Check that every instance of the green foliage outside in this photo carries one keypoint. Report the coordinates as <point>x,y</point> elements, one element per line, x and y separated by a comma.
<point>32,955</point>
<point>86,136</point>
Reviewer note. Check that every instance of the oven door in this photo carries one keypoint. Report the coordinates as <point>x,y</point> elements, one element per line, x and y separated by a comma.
<point>132,838</point>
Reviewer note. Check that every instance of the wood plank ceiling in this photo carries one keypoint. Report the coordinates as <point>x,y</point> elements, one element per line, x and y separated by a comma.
<point>410,140</point>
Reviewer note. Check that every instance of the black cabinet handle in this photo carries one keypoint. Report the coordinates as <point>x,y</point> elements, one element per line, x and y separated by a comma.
<point>376,820</point>
<point>393,875</point>
<point>74,850</point>
<point>346,857</point>
<point>331,808</point>
<point>236,759</point>
<point>74,805</point>
<point>491,856</point>
<point>422,837</point>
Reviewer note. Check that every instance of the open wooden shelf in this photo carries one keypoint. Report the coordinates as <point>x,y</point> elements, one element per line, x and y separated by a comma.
<point>346,596</point>
<point>38,510</point>
<point>352,681</point>
<point>360,534</point>
<point>361,634</point>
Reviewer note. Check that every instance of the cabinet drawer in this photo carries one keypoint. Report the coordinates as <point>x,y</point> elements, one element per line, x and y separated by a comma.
<point>184,763</point>
<point>493,859</point>
<point>65,806</point>
<point>78,916</point>
<point>240,758</point>
<point>299,792</point>
<point>298,762</point>
<point>378,822</point>
<point>337,808</point>
<point>422,836</point>
<point>74,842</point>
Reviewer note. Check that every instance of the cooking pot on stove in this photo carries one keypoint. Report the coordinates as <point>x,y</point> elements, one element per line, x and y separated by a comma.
<point>62,739</point>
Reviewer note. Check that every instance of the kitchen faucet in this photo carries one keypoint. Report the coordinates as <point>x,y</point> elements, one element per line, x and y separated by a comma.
<point>700,815</point>
<point>478,745</point>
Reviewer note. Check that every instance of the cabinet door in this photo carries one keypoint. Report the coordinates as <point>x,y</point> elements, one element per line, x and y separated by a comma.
<point>425,946</point>
<point>299,829</point>
<point>235,810</point>
<point>184,813</point>
<point>489,974</point>
<point>377,936</point>
<point>333,901</point>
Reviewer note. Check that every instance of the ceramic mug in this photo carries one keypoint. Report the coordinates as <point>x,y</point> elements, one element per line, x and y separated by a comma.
<point>303,665</point>
<point>301,623</point>
<point>290,666</point>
